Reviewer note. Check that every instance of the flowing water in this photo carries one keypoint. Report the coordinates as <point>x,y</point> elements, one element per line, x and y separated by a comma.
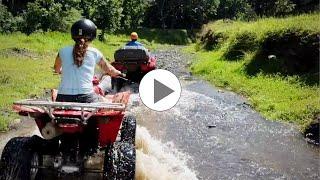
<point>218,136</point>
<point>210,134</point>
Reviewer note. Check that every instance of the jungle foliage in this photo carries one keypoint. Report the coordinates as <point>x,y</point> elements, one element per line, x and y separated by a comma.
<point>124,15</point>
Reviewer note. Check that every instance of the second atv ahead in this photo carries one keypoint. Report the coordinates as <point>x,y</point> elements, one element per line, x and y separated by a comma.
<point>135,62</point>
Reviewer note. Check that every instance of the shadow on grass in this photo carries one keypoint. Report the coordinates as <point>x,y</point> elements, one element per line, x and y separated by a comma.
<point>288,53</point>
<point>240,45</point>
<point>210,40</point>
<point>308,73</point>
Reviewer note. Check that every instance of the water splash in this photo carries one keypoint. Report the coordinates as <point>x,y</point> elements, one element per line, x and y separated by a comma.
<point>157,160</point>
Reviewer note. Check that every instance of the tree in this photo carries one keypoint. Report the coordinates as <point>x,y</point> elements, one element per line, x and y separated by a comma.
<point>181,13</point>
<point>199,12</point>
<point>69,4</point>
<point>87,7</point>
<point>48,15</point>
<point>283,7</point>
<point>16,6</point>
<point>303,6</point>
<point>107,16</point>
<point>133,13</point>
<point>272,7</point>
<point>7,21</point>
<point>235,9</point>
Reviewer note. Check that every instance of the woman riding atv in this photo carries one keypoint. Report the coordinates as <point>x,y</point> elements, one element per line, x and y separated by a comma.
<point>76,65</point>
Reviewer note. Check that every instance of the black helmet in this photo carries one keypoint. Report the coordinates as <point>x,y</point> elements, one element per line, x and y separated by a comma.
<point>84,28</point>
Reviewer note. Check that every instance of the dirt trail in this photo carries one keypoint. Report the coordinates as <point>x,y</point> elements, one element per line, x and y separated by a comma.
<point>27,127</point>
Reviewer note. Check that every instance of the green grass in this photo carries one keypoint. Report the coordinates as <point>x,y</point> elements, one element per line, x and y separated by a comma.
<point>26,62</point>
<point>276,96</point>
<point>305,22</point>
<point>22,78</point>
<point>49,43</point>
<point>237,37</point>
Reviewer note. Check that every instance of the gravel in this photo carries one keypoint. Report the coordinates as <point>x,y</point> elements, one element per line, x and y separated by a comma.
<point>173,60</point>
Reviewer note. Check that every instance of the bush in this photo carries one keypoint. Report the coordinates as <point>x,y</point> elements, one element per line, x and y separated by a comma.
<point>211,40</point>
<point>283,7</point>
<point>240,44</point>
<point>7,21</point>
<point>235,9</point>
<point>170,36</point>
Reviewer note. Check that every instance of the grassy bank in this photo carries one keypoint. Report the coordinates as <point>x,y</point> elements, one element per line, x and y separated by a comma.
<point>26,66</point>
<point>252,59</point>
<point>26,62</point>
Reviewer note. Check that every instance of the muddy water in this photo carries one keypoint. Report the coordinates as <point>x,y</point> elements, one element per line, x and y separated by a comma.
<point>224,138</point>
<point>221,137</point>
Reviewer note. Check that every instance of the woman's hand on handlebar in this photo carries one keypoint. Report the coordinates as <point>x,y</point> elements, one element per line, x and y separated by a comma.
<point>123,75</point>
<point>116,73</point>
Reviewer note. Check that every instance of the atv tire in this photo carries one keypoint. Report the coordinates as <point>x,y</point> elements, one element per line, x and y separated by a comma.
<point>128,129</point>
<point>19,157</point>
<point>119,161</point>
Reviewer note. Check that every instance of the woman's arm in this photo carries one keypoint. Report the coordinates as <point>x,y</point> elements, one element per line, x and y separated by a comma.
<point>108,68</point>
<point>57,65</point>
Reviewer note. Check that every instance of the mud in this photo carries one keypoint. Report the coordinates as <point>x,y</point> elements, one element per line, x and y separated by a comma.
<point>19,52</point>
<point>26,127</point>
<point>312,132</point>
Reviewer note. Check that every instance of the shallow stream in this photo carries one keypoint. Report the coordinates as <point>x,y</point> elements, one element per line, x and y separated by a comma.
<point>210,134</point>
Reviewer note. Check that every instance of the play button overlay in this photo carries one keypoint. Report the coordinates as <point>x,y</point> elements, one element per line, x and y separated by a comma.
<point>160,90</point>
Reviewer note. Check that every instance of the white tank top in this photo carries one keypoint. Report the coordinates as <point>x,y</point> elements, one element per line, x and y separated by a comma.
<point>78,80</point>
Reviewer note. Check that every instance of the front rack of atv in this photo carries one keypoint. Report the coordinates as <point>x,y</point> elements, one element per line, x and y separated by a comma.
<point>87,109</point>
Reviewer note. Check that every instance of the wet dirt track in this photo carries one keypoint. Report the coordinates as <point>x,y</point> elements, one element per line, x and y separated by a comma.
<point>210,134</point>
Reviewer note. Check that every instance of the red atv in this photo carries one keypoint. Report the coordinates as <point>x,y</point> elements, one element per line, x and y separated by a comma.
<point>77,138</point>
<point>135,62</point>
